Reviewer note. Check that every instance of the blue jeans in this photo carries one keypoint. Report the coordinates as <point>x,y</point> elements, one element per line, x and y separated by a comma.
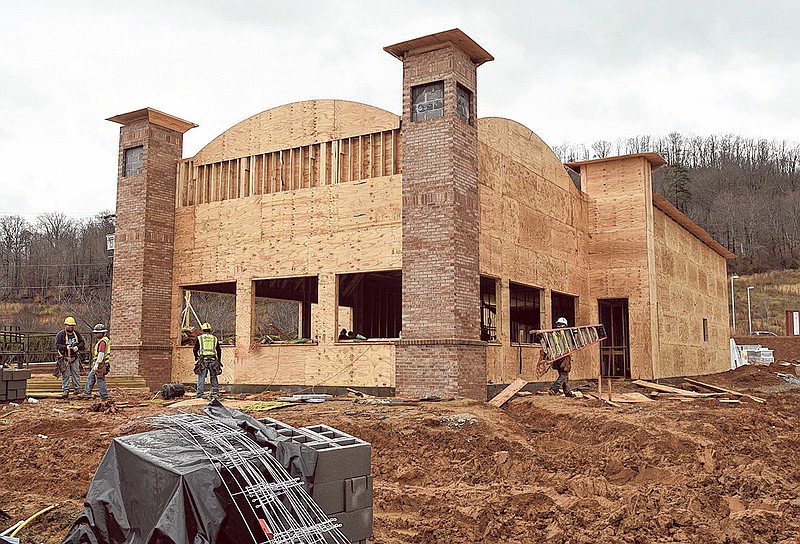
<point>561,382</point>
<point>73,374</point>
<point>201,381</point>
<point>101,385</point>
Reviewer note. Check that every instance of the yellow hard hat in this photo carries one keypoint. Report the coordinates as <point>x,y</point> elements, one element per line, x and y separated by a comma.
<point>205,327</point>
<point>69,321</point>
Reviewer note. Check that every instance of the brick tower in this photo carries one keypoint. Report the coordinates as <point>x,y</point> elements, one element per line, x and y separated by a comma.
<point>150,144</point>
<point>441,352</point>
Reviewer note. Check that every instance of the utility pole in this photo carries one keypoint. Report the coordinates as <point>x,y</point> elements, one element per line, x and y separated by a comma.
<point>733,306</point>
<point>749,320</point>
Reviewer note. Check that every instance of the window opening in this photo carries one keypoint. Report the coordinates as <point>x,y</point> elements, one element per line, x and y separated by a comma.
<point>282,309</point>
<point>705,330</point>
<point>563,306</point>
<point>427,101</point>
<point>213,303</point>
<point>488,309</point>
<point>463,103</point>
<point>525,312</point>
<point>375,304</point>
<point>134,159</point>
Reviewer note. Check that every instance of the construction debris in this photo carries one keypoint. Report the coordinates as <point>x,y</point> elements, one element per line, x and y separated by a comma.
<point>728,391</point>
<point>306,398</point>
<point>501,398</point>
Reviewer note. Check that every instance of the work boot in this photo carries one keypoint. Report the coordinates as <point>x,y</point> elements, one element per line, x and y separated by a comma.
<point>65,394</point>
<point>569,394</point>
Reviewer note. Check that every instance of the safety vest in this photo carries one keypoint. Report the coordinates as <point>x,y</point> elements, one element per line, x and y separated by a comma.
<point>107,356</point>
<point>208,345</point>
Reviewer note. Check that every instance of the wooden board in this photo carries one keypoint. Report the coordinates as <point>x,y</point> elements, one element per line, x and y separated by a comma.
<point>675,390</point>
<point>729,391</point>
<point>502,397</point>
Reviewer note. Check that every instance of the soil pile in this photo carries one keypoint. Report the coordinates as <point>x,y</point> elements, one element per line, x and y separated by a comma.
<point>541,469</point>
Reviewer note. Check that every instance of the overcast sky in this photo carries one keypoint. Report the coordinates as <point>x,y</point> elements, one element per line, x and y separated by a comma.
<point>575,71</point>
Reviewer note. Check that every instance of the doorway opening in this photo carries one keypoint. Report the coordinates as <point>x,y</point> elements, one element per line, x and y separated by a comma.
<point>615,359</point>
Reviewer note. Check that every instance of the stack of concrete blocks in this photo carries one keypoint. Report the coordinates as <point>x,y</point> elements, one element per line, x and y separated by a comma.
<point>342,483</point>
<point>14,384</point>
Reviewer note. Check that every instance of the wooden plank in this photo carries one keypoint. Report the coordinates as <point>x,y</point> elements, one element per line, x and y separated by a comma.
<point>502,397</point>
<point>729,391</point>
<point>668,389</point>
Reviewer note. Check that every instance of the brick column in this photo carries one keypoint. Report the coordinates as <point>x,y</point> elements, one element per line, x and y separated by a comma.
<point>441,352</point>
<point>150,144</point>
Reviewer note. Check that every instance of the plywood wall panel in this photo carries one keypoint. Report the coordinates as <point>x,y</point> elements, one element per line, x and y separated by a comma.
<point>691,287</point>
<point>355,365</point>
<point>529,222</point>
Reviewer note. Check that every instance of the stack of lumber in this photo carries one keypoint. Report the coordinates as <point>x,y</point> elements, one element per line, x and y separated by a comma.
<point>42,385</point>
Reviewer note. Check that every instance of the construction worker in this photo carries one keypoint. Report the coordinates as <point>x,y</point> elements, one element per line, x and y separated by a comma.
<point>208,359</point>
<point>69,344</point>
<point>562,366</point>
<point>101,363</point>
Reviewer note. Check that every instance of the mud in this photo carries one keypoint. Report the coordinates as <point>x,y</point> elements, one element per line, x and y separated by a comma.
<point>541,469</point>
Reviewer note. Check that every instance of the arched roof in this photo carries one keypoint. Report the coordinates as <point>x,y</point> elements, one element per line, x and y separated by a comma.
<point>523,146</point>
<point>296,124</point>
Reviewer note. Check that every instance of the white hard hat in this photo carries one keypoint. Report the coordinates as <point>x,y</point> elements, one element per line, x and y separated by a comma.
<point>561,322</point>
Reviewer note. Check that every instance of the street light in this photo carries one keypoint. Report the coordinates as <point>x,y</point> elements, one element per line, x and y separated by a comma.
<point>733,306</point>
<point>749,321</point>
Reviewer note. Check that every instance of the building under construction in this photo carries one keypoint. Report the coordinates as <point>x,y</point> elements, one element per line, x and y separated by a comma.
<point>441,237</point>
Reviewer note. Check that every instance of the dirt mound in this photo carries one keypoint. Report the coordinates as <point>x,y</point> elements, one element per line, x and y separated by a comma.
<point>541,469</point>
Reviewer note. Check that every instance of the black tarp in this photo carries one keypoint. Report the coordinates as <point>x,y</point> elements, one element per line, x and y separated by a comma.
<point>157,487</point>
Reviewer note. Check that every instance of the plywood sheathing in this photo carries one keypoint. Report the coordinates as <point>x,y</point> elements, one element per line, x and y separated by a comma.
<point>363,364</point>
<point>621,249</point>
<point>296,125</point>
<point>533,232</point>
<point>691,285</point>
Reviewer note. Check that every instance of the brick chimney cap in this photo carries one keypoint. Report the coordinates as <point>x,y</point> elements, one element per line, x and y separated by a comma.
<point>476,53</point>
<point>155,117</point>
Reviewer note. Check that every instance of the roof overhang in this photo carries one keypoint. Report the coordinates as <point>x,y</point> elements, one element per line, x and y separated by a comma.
<point>477,54</point>
<point>655,160</point>
<point>155,117</point>
<point>696,230</point>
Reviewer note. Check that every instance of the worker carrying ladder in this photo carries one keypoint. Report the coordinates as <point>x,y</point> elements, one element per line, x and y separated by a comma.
<point>558,343</point>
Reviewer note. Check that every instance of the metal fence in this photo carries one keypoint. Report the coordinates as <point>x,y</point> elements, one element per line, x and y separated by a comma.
<point>22,349</point>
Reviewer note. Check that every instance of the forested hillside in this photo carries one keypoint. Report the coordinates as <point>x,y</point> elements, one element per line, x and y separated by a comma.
<point>59,263</point>
<point>745,192</point>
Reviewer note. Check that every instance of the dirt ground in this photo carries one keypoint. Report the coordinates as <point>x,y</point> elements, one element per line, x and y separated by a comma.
<point>541,469</point>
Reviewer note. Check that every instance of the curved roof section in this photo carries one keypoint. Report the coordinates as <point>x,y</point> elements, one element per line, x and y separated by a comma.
<point>294,125</point>
<point>522,145</point>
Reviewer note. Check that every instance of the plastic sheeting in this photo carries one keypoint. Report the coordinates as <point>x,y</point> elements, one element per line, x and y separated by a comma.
<point>158,488</point>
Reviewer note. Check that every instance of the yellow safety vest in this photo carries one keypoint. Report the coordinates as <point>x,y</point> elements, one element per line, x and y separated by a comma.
<point>208,345</point>
<point>107,356</point>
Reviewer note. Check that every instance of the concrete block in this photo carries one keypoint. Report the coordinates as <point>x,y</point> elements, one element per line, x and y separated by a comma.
<point>8,374</point>
<point>14,394</point>
<point>358,493</point>
<point>17,384</point>
<point>329,496</point>
<point>336,462</point>
<point>22,374</point>
<point>3,394</point>
<point>356,525</point>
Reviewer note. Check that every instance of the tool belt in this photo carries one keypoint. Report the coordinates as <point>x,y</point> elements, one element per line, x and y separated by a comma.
<point>62,366</point>
<point>102,369</point>
<point>210,363</point>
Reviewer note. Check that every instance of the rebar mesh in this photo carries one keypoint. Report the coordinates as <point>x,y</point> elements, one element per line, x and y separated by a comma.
<point>275,507</point>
